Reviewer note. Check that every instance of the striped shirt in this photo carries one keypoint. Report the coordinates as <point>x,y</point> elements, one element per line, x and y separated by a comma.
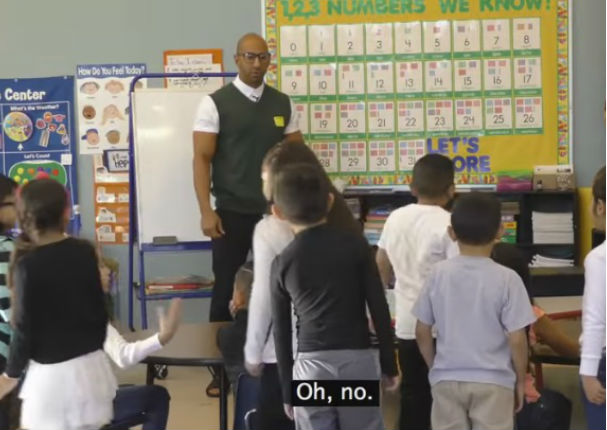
<point>6,247</point>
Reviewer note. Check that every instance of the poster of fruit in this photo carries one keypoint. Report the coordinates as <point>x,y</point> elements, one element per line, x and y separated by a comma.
<point>37,133</point>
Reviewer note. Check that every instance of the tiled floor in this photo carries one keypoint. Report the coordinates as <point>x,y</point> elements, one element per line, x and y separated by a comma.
<point>192,409</point>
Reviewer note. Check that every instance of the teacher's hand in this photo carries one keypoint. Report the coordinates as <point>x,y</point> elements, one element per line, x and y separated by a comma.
<point>211,224</point>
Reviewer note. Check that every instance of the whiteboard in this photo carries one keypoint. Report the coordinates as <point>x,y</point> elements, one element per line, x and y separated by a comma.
<point>163,121</point>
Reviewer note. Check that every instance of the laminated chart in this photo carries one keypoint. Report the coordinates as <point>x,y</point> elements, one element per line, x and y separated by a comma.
<point>372,96</point>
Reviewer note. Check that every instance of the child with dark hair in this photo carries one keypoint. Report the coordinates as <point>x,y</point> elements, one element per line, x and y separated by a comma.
<point>59,319</point>
<point>592,364</point>
<point>329,277</point>
<point>270,238</point>
<point>231,338</point>
<point>413,240</point>
<point>10,405</point>
<point>480,310</point>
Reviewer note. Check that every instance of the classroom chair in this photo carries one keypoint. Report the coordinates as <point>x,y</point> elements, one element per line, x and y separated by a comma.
<point>247,395</point>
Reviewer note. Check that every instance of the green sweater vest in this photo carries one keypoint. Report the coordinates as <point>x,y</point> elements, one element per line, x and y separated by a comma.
<point>247,130</point>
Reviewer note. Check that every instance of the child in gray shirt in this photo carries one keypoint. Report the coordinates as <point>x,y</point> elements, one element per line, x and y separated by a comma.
<point>479,310</point>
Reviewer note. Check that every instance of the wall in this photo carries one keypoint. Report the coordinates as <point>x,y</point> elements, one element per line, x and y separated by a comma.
<point>48,41</point>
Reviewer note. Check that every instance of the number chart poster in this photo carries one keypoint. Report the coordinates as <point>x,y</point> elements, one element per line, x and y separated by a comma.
<point>36,116</point>
<point>376,84</point>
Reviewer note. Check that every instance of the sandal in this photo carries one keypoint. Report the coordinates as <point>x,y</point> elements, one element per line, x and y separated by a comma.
<point>212,389</point>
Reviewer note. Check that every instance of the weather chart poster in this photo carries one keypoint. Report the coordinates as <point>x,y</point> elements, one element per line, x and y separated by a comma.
<point>38,133</point>
<point>377,84</point>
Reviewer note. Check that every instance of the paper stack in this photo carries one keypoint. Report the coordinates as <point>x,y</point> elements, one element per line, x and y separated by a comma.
<point>552,228</point>
<point>543,261</point>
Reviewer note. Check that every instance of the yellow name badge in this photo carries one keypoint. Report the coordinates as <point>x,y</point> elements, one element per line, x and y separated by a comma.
<point>279,121</point>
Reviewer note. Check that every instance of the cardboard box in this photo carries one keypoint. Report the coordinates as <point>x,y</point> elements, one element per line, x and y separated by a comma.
<point>553,178</point>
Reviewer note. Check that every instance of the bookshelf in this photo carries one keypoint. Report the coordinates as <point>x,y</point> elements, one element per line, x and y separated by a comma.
<point>545,281</point>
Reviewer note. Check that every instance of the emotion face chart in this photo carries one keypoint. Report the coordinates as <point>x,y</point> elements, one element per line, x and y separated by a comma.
<point>375,88</point>
<point>37,131</point>
<point>103,100</point>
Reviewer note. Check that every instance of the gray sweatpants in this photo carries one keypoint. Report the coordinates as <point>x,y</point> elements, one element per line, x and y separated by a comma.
<point>348,364</point>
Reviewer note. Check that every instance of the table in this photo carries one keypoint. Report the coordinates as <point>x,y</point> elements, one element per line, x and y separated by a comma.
<point>193,345</point>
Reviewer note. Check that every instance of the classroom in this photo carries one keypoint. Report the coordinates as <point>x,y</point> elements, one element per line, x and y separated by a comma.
<point>395,116</point>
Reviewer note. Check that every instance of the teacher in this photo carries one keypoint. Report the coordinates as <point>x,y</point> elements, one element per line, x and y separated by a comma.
<point>233,129</point>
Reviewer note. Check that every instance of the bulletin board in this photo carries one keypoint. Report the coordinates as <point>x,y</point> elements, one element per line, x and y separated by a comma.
<point>377,84</point>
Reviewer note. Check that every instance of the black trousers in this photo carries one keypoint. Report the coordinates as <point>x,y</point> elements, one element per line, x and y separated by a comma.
<point>229,253</point>
<point>270,412</point>
<point>416,397</point>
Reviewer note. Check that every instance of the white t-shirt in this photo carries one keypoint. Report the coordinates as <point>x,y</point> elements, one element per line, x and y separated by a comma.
<point>270,238</point>
<point>593,311</point>
<point>126,354</point>
<point>207,116</point>
<point>415,238</point>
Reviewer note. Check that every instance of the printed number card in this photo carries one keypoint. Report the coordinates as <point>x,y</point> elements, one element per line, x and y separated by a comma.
<point>301,116</point>
<point>380,78</point>
<point>378,39</point>
<point>439,115</point>
<point>467,75</point>
<point>411,116</point>
<point>498,114</point>
<point>468,114</point>
<point>382,156</point>
<point>526,34</point>
<point>438,76</point>
<point>497,75</point>
<point>351,79</point>
<point>293,41</point>
<point>528,112</point>
<point>326,152</point>
<point>409,78</point>
<point>409,151</point>
<point>322,79</point>
<point>381,117</point>
<point>321,41</point>
<point>294,80</point>
<point>466,38</point>
<point>496,35</point>
<point>437,37</point>
<point>352,118</point>
<point>353,157</point>
<point>350,40</point>
<point>322,118</point>
<point>408,38</point>
<point>527,73</point>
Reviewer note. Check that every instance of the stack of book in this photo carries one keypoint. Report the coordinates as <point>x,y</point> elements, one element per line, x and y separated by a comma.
<point>545,261</point>
<point>509,211</point>
<point>374,224</point>
<point>552,228</point>
<point>181,284</point>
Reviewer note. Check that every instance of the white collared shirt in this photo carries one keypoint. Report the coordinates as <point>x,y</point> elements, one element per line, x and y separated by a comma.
<point>207,116</point>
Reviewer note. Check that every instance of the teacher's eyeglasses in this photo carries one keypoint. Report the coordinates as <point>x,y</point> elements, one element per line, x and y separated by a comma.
<point>251,56</point>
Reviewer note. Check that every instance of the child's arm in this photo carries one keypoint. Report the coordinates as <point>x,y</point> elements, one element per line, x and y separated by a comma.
<point>283,337</point>
<point>126,354</point>
<point>551,334</point>
<point>259,316</point>
<point>378,308</point>
<point>518,347</point>
<point>386,272</point>
<point>425,342</point>
<point>593,327</point>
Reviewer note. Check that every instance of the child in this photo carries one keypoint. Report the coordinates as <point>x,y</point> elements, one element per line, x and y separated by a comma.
<point>329,276</point>
<point>231,338</point>
<point>592,364</point>
<point>148,402</point>
<point>414,238</point>
<point>271,236</point>
<point>59,320</point>
<point>10,405</point>
<point>480,310</point>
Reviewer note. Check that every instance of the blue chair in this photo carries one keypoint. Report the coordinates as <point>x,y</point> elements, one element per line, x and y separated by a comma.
<point>247,395</point>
